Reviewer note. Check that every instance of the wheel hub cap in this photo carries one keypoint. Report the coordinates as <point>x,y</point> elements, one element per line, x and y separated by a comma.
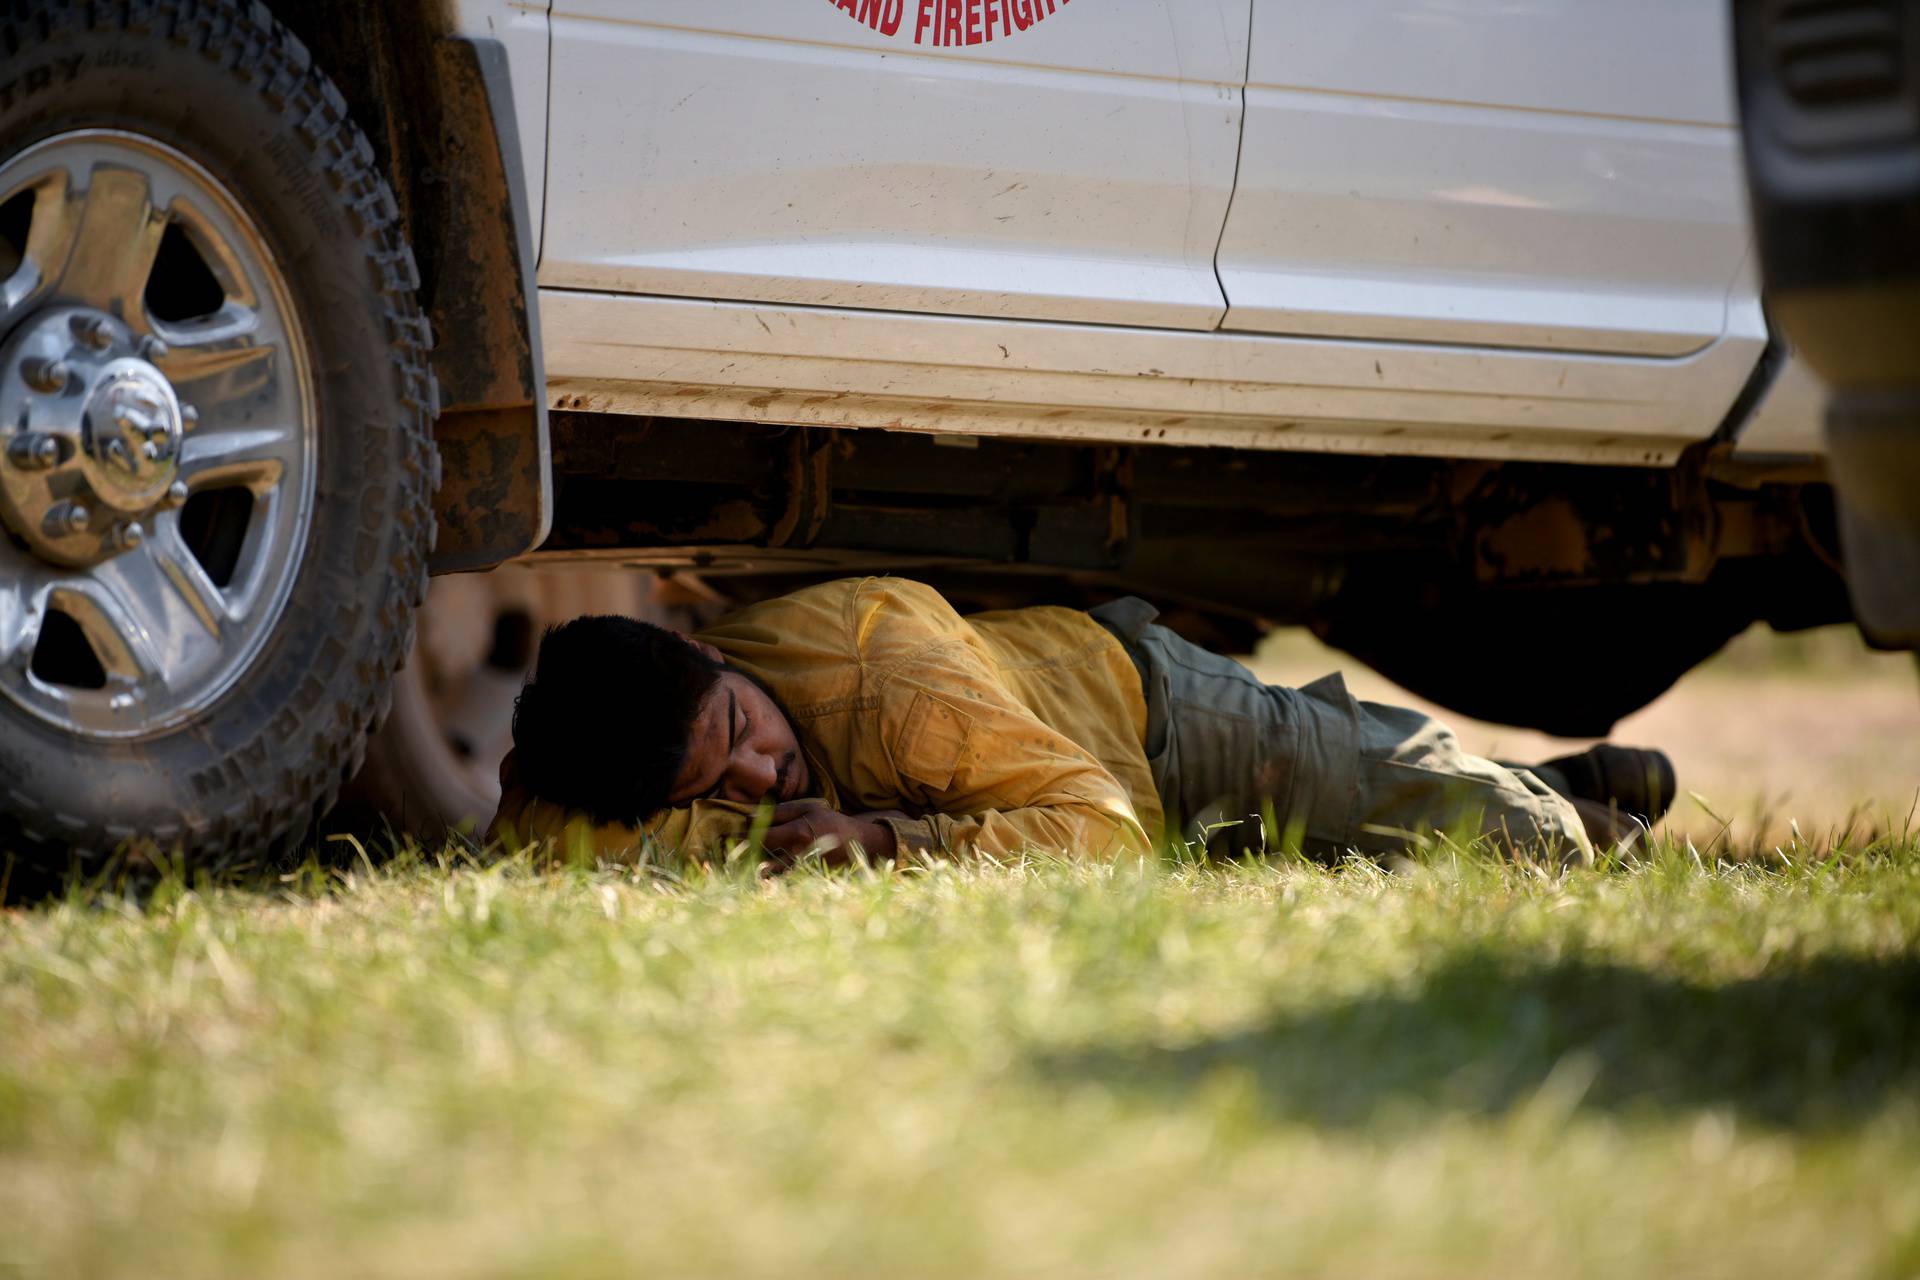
<point>92,436</point>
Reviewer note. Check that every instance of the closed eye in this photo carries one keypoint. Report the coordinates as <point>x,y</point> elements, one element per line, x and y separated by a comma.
<point>733,739</point>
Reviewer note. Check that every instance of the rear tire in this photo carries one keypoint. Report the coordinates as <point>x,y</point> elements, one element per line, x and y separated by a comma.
<point>434,766</point>
<point>222,83</point>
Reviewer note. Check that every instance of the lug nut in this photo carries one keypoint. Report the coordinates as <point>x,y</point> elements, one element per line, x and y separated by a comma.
<point>152,348</point>
<point>32,452</point>
<point>189,417</point>
<point>176,496</point>
<point>129,535</point>
<point>93,331</point>
<point>46,373</point>
<point>65,518</point>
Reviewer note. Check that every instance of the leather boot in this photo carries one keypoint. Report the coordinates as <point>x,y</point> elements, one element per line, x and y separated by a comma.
<point>1635,781</point>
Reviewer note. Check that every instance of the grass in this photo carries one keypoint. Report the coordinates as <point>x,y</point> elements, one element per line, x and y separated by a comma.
<point>438,1067</point>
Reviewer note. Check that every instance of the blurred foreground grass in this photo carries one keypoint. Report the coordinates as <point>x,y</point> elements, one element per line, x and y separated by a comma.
<point>1673,1068</point>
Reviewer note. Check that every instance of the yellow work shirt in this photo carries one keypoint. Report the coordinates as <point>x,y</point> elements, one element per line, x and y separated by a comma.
<point>1000,732</point>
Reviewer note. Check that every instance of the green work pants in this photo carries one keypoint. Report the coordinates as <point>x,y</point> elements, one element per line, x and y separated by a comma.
<point>1240,764</point>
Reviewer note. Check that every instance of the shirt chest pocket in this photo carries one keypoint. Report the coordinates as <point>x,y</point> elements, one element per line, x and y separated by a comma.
<point>931,741</point>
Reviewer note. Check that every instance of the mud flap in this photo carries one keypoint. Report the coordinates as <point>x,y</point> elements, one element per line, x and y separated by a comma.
<point>496,495</point>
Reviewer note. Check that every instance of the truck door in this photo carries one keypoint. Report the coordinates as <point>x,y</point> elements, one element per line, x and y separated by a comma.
<point>1557,174</point>
<point>1037,159</point>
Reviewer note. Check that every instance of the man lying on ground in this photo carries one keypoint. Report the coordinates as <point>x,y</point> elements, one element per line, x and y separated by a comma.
<point>869,712</point>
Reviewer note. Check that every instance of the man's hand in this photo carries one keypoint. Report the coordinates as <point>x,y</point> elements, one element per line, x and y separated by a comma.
<point>799,827</point>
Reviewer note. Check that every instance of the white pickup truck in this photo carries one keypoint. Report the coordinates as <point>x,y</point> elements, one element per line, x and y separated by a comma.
<point>1432,323</point>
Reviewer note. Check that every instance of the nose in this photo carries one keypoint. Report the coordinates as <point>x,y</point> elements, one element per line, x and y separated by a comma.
<point>755,776</point>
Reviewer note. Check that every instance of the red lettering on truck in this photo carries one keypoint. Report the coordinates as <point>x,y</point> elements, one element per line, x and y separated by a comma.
<point>947,24</point>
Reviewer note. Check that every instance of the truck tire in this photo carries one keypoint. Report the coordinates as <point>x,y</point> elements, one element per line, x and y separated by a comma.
<point>216,459</point>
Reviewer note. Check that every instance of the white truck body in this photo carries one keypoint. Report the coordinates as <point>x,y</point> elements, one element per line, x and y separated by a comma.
<point>1384,226</point>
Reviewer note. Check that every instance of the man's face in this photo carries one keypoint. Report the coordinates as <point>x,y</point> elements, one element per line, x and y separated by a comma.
<point>742,748</point>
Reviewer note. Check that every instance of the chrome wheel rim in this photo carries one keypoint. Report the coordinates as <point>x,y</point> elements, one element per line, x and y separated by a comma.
<point>157,436</point>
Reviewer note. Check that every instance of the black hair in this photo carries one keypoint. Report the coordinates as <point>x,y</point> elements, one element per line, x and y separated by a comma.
<point>604,724</point>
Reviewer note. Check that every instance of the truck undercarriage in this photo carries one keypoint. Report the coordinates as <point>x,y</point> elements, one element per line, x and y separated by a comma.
<point>1472,582</point>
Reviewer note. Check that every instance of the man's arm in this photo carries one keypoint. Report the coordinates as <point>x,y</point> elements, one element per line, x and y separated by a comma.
<point>1074,829</point>
<point>990,776</point>
<point>705,829</point>
<point>800,828</point>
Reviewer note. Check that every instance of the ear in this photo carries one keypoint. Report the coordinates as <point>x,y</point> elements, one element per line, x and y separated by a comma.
<point>703,647</point>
